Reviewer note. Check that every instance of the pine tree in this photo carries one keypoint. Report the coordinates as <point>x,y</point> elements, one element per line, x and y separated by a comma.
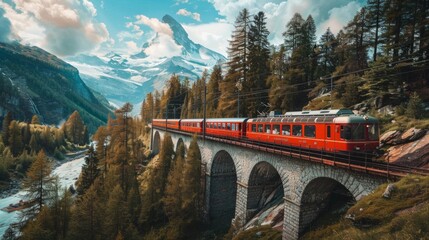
<point>259,54</point>
<point>328,60</point>
<point>39,183</point>
<point>376,10</point>
<point>414,107</point>
<point>238,66</point>
<point>5,128</point>
<point>89,171</point>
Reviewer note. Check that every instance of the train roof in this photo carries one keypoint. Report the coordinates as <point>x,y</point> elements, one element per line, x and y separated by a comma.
<point>193,120</point>
<point>232,120</point>
<point>160,119</point>
<point>318,119</point>
<point>328,112</point>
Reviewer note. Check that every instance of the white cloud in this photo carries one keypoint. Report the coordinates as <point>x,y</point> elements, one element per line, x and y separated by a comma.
<point>154,24</point>
<point>212,35</point>
<point>183,12</point>
<point>135,32</point>
<point>132,47</point>
<point>90,7</point>
<point>279,12</point>
<point>338,17</point>
<point>181,1</point>
<point>163,44</point>
<point>64,27</point>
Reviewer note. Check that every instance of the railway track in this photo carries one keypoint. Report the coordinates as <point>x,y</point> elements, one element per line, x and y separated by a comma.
<point>359,162</point>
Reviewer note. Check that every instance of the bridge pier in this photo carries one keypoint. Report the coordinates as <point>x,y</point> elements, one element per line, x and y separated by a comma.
<point>241,205</point>
<point>291,220</point>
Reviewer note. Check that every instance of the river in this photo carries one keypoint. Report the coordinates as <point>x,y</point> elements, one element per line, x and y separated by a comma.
<point>67,172</point>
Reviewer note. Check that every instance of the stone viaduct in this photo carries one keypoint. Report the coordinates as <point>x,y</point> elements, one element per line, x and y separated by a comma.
<point>238,178</point>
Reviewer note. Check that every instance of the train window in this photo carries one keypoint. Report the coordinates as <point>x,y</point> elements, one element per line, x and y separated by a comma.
<point>286,130</point>
<point>328,131</point>
<point>297,130</point>
<point>346,132</point>
<point>223,125</point>
<point>233,127</point>
<point>259,127</point>
<point>253,127</point>
<point>310,130</point>
<point>358,131</point>
<point>372,131</point>
<point>228,126</point>
<point>198,125</point>
<point>276,129</point>
<point>267,128</point>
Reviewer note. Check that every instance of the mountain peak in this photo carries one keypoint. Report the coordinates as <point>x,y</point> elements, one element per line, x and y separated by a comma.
<point>179,33</point>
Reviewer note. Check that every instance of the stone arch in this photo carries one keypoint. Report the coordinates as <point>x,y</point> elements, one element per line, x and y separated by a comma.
<point>223,190</point>
<point>322,195</point>
<point>156,143</point>
<point>265,187</point>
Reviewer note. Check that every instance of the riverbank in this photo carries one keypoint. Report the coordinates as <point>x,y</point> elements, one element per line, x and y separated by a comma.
<point>68,171</point>
<point>15,183</point>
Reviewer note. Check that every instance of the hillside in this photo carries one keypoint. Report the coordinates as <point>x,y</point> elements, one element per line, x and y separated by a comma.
<point>401,216</point>
<point>36,82</point>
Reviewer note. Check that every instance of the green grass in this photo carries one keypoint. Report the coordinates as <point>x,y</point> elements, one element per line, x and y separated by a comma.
<point>380,218</point>
<point>389,123</point>
<point>260,233</point>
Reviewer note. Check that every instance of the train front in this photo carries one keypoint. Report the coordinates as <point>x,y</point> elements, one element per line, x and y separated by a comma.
<point>361,133</point>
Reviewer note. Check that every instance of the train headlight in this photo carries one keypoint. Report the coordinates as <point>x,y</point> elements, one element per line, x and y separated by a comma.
<point>357,148</point>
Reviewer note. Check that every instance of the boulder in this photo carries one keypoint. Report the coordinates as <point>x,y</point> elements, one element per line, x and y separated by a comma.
<point>413,154</point>
<point>412,134</point>
<point>389,189</point>
<point>390,137</point>
<point>386,110</point>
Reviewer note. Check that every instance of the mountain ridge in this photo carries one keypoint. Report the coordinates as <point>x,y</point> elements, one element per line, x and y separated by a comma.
<point>40,83</point>
<point>136,75</point>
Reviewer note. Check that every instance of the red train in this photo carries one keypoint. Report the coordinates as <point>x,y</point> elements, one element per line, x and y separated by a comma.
<point>329,130</point>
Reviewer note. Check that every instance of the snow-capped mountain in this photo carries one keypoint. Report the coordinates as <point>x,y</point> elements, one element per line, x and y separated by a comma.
<point>123,78</point>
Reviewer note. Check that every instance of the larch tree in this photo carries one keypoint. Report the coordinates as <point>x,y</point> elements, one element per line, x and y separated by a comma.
<point>15,138</point>
<point>87,217</point>
<point>213,91</point>
<point>35,120</point>
<point>192,188</point>
<point>39,184</point>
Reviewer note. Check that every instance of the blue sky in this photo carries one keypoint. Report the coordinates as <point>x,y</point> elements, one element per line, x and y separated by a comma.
<point>70,27</point>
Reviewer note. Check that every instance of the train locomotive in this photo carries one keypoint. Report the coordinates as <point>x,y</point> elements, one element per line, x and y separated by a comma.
<point>337,130</point>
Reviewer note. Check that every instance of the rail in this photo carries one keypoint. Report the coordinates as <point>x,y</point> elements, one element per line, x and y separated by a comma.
<point>361,162</point>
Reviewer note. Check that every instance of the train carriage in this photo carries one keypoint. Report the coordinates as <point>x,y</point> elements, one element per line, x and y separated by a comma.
<point>329,130</point>
<point>167,123</point>
<point>226,127</point>
<point>192,125</point>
